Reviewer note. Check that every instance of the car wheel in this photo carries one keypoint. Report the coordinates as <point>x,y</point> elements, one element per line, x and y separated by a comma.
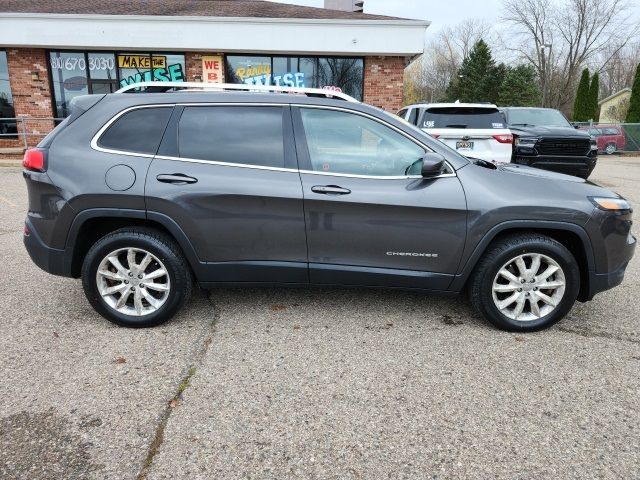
<point>610,149</point>
<point>136,277</point>
<point>525,282</point>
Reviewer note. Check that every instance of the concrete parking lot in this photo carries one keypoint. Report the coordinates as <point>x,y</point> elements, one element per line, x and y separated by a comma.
<point>312,383</point>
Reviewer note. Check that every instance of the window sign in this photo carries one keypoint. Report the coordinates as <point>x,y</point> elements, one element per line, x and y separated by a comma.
<point>212,68</point>
<point>6,100</point>
<point>102,66</point>
<point>137,68</point>
<point>337,74</point>
<point>69,78</point>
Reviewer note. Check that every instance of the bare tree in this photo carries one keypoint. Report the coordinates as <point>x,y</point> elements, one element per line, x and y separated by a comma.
<point>617,67</point>
<point>578,30</point>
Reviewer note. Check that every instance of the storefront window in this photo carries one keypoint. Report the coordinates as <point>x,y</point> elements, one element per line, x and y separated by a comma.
<point>145,67</point>
<point>69,78</point>
<point>7,127</point>
<point>345,74</point>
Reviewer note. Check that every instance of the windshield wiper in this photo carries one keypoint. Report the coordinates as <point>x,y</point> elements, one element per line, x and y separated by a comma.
<point>522,124</point>
<point>483,163</point>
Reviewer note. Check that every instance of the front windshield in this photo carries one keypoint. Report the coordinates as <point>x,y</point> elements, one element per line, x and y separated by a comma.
<point>424,136</point>
<point>547,117</point>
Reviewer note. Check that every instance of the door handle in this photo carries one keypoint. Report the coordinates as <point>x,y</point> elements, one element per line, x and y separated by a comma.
<point>176,178</point>
<point>330,190</point>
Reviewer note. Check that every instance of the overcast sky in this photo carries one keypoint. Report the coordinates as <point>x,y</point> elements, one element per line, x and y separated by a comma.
<point>439,12</point>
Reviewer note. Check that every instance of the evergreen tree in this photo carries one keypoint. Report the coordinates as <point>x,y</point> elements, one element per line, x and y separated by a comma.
<point>594,93</point>
<point>479,77</point>
<point>519,88</point>
<point>581,104</point>
<point>633,114</point>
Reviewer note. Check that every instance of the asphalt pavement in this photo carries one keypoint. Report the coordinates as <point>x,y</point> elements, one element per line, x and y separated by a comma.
<point>312,383</point>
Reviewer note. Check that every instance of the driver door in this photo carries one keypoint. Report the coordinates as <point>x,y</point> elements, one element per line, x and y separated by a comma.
<point>371,219</point>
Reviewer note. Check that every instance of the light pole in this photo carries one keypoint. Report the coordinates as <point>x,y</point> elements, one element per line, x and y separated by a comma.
<point>547,65</point>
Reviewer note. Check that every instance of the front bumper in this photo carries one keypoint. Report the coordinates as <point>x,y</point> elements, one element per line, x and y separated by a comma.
<point>577,166</point>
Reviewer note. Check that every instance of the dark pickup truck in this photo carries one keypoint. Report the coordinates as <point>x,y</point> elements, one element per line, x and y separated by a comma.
<point>544,138</point>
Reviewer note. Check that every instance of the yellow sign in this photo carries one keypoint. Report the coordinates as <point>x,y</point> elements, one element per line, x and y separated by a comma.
<point>212,68</point>
<point>141,61</point>
<point>252,71</point>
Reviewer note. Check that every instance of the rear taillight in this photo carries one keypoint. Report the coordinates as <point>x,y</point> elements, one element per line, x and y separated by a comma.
<point>34,159</point>
<point>506,138</point>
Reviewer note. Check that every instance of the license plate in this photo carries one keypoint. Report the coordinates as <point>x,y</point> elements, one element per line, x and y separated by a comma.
<point>464,145</point>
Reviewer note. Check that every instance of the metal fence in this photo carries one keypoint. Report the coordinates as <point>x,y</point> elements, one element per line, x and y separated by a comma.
<point>25,131</point>
<point>614,137</point>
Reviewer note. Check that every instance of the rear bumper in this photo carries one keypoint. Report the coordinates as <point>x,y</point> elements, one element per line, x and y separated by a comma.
<point>51,260</point>
<point>576,166</point>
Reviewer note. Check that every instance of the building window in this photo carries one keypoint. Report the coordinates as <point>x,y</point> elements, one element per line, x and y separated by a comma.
<point>342,73</point>
<point>150,67</point>
<point>8,124</point>
<point>81,73</point>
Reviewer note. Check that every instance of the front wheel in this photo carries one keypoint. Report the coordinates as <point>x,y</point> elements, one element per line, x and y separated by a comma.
<point>136,277</point>
<point>525,282</point>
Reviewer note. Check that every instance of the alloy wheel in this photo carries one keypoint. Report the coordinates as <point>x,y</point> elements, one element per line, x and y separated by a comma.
<point>133,281</point>
<point>528,287</point>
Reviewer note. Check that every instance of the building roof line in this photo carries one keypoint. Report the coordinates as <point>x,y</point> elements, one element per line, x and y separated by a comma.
<point>614,95</point>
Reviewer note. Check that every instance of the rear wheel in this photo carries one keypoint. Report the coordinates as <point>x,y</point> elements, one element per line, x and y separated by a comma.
<point>136,277</point>
<point>525,282</point>
<point>610,149</point>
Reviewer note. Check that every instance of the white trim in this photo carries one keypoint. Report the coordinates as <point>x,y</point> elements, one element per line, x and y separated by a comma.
<point>214,34</point>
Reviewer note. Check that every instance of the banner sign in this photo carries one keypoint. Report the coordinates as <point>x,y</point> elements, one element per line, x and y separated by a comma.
<point>141,61</point>
<point>212,68</point>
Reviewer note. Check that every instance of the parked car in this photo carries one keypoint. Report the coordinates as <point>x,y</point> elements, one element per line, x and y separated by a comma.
<point>609,138</point>
<point>544,138</point>
<point>140,194</point>
<point>475,130</point>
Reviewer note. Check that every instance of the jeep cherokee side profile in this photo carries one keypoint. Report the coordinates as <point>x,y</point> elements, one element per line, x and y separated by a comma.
<point>140,194</point>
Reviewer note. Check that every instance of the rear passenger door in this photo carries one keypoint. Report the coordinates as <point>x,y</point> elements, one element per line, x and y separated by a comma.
<point>227,175</point>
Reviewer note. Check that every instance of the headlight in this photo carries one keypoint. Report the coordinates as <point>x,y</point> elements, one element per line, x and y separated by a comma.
<point>526,141</point>
<point>610,204</point>
<point>594,144</point>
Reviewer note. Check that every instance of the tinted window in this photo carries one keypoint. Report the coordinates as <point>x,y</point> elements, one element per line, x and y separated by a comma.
<point>245,135</point>
<point>461,117</point>
<point>138,131</point>
<point>341,142</point>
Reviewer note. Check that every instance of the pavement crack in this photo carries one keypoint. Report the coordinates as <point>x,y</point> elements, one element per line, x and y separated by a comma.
<point>185,382</point>
<point>591,334</point>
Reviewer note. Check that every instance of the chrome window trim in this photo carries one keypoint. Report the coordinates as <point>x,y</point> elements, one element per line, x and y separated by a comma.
<point>96,137</point>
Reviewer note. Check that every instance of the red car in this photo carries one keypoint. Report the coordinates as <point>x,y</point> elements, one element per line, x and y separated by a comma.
<point>610,138</point>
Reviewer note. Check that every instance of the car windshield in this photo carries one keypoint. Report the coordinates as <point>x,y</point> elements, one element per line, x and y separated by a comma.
<point>534,117</point>
<point>462,117</point>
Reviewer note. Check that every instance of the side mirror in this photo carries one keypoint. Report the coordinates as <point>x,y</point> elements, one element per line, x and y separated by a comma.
<point>432,165</point>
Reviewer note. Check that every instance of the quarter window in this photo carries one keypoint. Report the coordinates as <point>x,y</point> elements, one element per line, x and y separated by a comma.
<point>347,143</point>
<point>241,135</point>
<point>137,131</point>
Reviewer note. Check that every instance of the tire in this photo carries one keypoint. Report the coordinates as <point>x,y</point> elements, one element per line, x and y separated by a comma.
<point>151,297</point>
<point>488,290</point>
<point>610,148</point>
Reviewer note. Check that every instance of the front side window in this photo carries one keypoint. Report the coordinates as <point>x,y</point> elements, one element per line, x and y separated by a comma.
<point>8,124</point>
<point>241,135</point>
<point>348,143</point>
<point>137,131</point>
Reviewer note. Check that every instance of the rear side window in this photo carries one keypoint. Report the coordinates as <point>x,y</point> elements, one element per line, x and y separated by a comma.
<point>611,131</point>
<point>245,135</point>
<point>413,116</point>
<point>137,131</point>
<point>462,117</point>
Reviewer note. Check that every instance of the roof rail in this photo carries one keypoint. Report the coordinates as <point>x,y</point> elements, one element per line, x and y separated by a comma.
<point>220,87</point>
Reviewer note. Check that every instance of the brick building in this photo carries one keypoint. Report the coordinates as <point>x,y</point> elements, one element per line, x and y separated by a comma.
<point>51,52</point>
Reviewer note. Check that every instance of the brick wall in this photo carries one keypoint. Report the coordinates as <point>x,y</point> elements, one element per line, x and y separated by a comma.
<point>193,62</point>
<point>31,98</point>
<point>383,82</point>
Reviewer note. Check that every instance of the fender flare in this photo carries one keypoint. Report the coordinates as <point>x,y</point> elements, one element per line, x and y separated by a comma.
<point>457,284</point>
<point>169,224</point>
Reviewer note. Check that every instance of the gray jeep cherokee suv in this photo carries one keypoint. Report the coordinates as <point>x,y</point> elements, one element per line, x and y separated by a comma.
<point>140,194</point>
